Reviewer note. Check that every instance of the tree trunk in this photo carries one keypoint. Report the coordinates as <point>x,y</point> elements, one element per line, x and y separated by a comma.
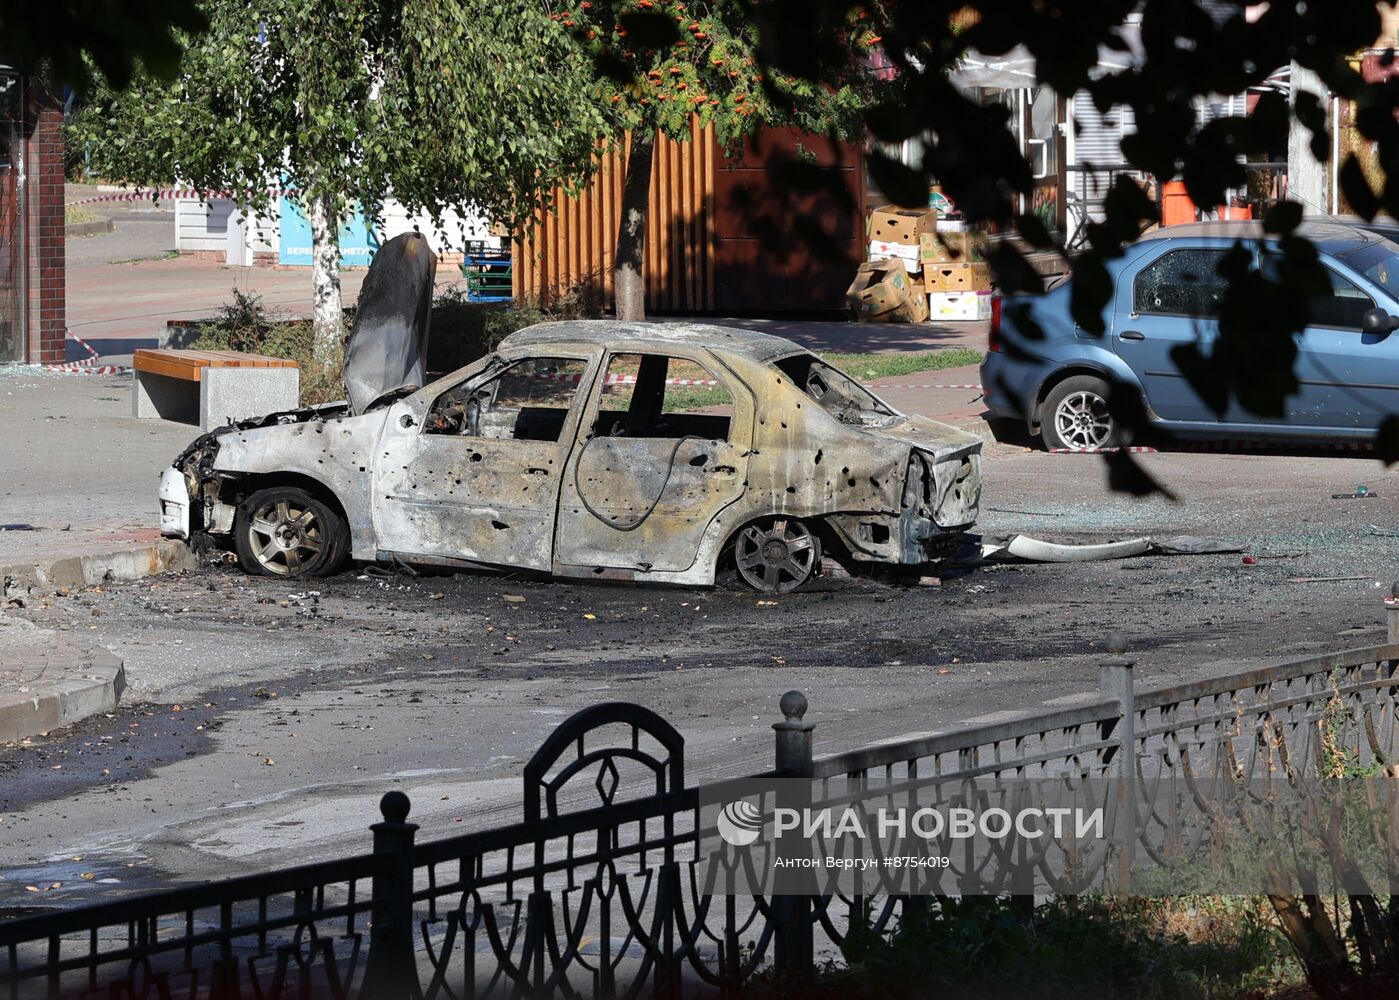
<point>629,291</point>
<point>328,312</point>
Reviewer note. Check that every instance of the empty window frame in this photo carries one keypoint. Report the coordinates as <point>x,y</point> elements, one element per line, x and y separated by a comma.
<point>528,401</point>
<point>658,396</point>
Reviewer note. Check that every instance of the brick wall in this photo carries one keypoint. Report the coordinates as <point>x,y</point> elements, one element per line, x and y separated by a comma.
<point>44,176</point>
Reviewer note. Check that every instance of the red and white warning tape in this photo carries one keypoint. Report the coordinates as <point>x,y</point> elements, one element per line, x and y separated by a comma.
<point>161,194</point>
<point>933,385</point>
<point>88,365</point>
<point>1226,445</point>
<point>1134,450</point>
<point>619,379</point>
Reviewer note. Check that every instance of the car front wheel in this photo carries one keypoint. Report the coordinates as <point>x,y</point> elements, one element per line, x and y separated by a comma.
<point>1075,417</point>
<point>286,531</point>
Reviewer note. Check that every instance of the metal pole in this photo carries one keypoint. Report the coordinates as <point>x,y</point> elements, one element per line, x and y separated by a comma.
<point>793,948</point>
<point>1391,613</point>
<point>390,971</point>
<point>1115,682</point>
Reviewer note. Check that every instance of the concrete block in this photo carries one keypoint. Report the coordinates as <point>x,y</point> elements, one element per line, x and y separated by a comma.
<point>229,394</point>
<point>164,397</point>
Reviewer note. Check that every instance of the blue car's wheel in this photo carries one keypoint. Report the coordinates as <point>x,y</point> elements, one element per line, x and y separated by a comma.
<point>1074,416</point>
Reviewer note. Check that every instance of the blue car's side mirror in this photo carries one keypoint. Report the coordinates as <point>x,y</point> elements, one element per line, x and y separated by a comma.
<point>1378,321</point>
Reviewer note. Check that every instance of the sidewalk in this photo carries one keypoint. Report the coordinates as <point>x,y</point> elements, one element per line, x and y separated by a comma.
<point>48,680</point>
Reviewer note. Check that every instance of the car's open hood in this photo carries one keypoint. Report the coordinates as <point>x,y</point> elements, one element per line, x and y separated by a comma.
<point>387,349</point>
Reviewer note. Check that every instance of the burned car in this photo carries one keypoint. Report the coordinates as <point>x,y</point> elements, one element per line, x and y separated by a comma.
<point>588,449</point>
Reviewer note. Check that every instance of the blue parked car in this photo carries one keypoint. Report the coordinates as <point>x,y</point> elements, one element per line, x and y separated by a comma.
<point>1166,292</point>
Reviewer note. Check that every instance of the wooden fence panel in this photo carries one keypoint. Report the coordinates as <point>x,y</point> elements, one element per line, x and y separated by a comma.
<point>576,242</point>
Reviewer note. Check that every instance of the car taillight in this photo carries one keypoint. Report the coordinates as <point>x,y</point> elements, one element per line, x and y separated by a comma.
<point>993,336</point>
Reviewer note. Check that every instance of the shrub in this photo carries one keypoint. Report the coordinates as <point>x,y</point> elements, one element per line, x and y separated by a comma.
<point>979,948</point>
<point>461,332</point>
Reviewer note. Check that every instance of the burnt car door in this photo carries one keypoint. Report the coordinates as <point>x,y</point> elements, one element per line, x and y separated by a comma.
<point>471,471</point>
<point>663,449</point>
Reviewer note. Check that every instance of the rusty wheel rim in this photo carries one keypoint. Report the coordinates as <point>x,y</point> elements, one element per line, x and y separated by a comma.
<point>284,536</point>
<point>777,557</point>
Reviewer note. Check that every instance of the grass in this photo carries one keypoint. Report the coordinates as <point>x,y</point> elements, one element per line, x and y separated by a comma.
<point>167,255</point>
<point>867,367</point>
<point>862,367</point>
<point>75,214</point>
<point>1201,948</point>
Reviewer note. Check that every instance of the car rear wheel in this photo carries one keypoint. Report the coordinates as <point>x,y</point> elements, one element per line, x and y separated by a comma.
<point>286,531</point>
<point>1074,416</point>
<point>776,555</point>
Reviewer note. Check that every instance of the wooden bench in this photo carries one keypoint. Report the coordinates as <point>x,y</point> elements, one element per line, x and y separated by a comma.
<point>211,388</point>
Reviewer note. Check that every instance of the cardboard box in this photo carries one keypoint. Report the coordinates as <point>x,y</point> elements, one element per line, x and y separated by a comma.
<point>940,248</point>
<point>915,310</point>
<point>880,288</point>
<point>901,225</point>
<point>906,252</point>
<point>960,277</point>
<point>958,306</point>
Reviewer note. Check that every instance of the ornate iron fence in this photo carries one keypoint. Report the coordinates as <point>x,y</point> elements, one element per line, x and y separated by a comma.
<point>596,892</point>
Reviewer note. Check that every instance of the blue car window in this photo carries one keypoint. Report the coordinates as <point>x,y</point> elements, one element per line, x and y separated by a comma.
<point>1341,307</point>
<point>1377,261</point>
<point>1183,282</point>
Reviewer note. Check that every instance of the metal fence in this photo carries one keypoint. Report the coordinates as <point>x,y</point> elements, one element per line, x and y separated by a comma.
<point>596,893</point>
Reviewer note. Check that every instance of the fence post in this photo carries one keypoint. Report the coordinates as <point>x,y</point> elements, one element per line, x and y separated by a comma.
<point>390,971</point>
<point>793,948</point>
<point>1115,682</point>
<point>1391,613</point>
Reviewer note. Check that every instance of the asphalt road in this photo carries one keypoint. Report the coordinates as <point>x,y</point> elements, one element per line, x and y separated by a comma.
<point>298,706</point>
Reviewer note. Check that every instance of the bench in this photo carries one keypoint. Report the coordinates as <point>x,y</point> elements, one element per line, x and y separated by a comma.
<point>211,388</point>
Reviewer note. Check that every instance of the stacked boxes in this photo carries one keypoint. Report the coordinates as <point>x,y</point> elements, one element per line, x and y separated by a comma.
<point>897,232</point>
<point>955,277</point>
<point>882,292</point>
<point>950,279</point>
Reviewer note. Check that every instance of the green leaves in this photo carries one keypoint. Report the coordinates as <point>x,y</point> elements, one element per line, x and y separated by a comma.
<point>118,41</point>
<point>470,106</point>
<point>649,28</point>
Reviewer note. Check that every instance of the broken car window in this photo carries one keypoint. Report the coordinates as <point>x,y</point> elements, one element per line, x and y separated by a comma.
<point>528,401</point>
<point>1181,283</point>
<point>839,394</point>
<point>655,396</point>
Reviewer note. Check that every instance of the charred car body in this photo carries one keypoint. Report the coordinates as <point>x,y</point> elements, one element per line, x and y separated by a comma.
<point>588,449</point>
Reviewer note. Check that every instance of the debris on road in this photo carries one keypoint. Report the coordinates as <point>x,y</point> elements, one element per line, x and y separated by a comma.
<point>1325,579</point>
<point>1028,549</point>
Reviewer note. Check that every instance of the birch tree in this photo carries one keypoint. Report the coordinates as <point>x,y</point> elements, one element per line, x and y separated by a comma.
<point>441,104</point>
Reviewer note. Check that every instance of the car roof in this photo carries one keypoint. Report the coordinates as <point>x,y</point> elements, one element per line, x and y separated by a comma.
<point>1334,236</point>
<point>653,336</point>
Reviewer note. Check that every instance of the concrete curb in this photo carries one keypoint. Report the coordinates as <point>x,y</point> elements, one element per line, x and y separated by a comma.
<point>168,555</point>
<point>95,685</point>
<point>88,228</point>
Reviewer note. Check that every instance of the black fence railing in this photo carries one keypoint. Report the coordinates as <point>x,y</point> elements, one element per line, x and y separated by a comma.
<point>597,893</point>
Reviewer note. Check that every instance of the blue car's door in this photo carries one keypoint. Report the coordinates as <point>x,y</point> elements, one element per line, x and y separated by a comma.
<point>1164,300</point>
<point>1344,376</point>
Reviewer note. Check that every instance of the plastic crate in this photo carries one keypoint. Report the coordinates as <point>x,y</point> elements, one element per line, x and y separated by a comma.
<point>488,273</point>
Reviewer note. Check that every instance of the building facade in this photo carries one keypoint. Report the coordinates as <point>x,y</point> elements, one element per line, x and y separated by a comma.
<point>32,320</point>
